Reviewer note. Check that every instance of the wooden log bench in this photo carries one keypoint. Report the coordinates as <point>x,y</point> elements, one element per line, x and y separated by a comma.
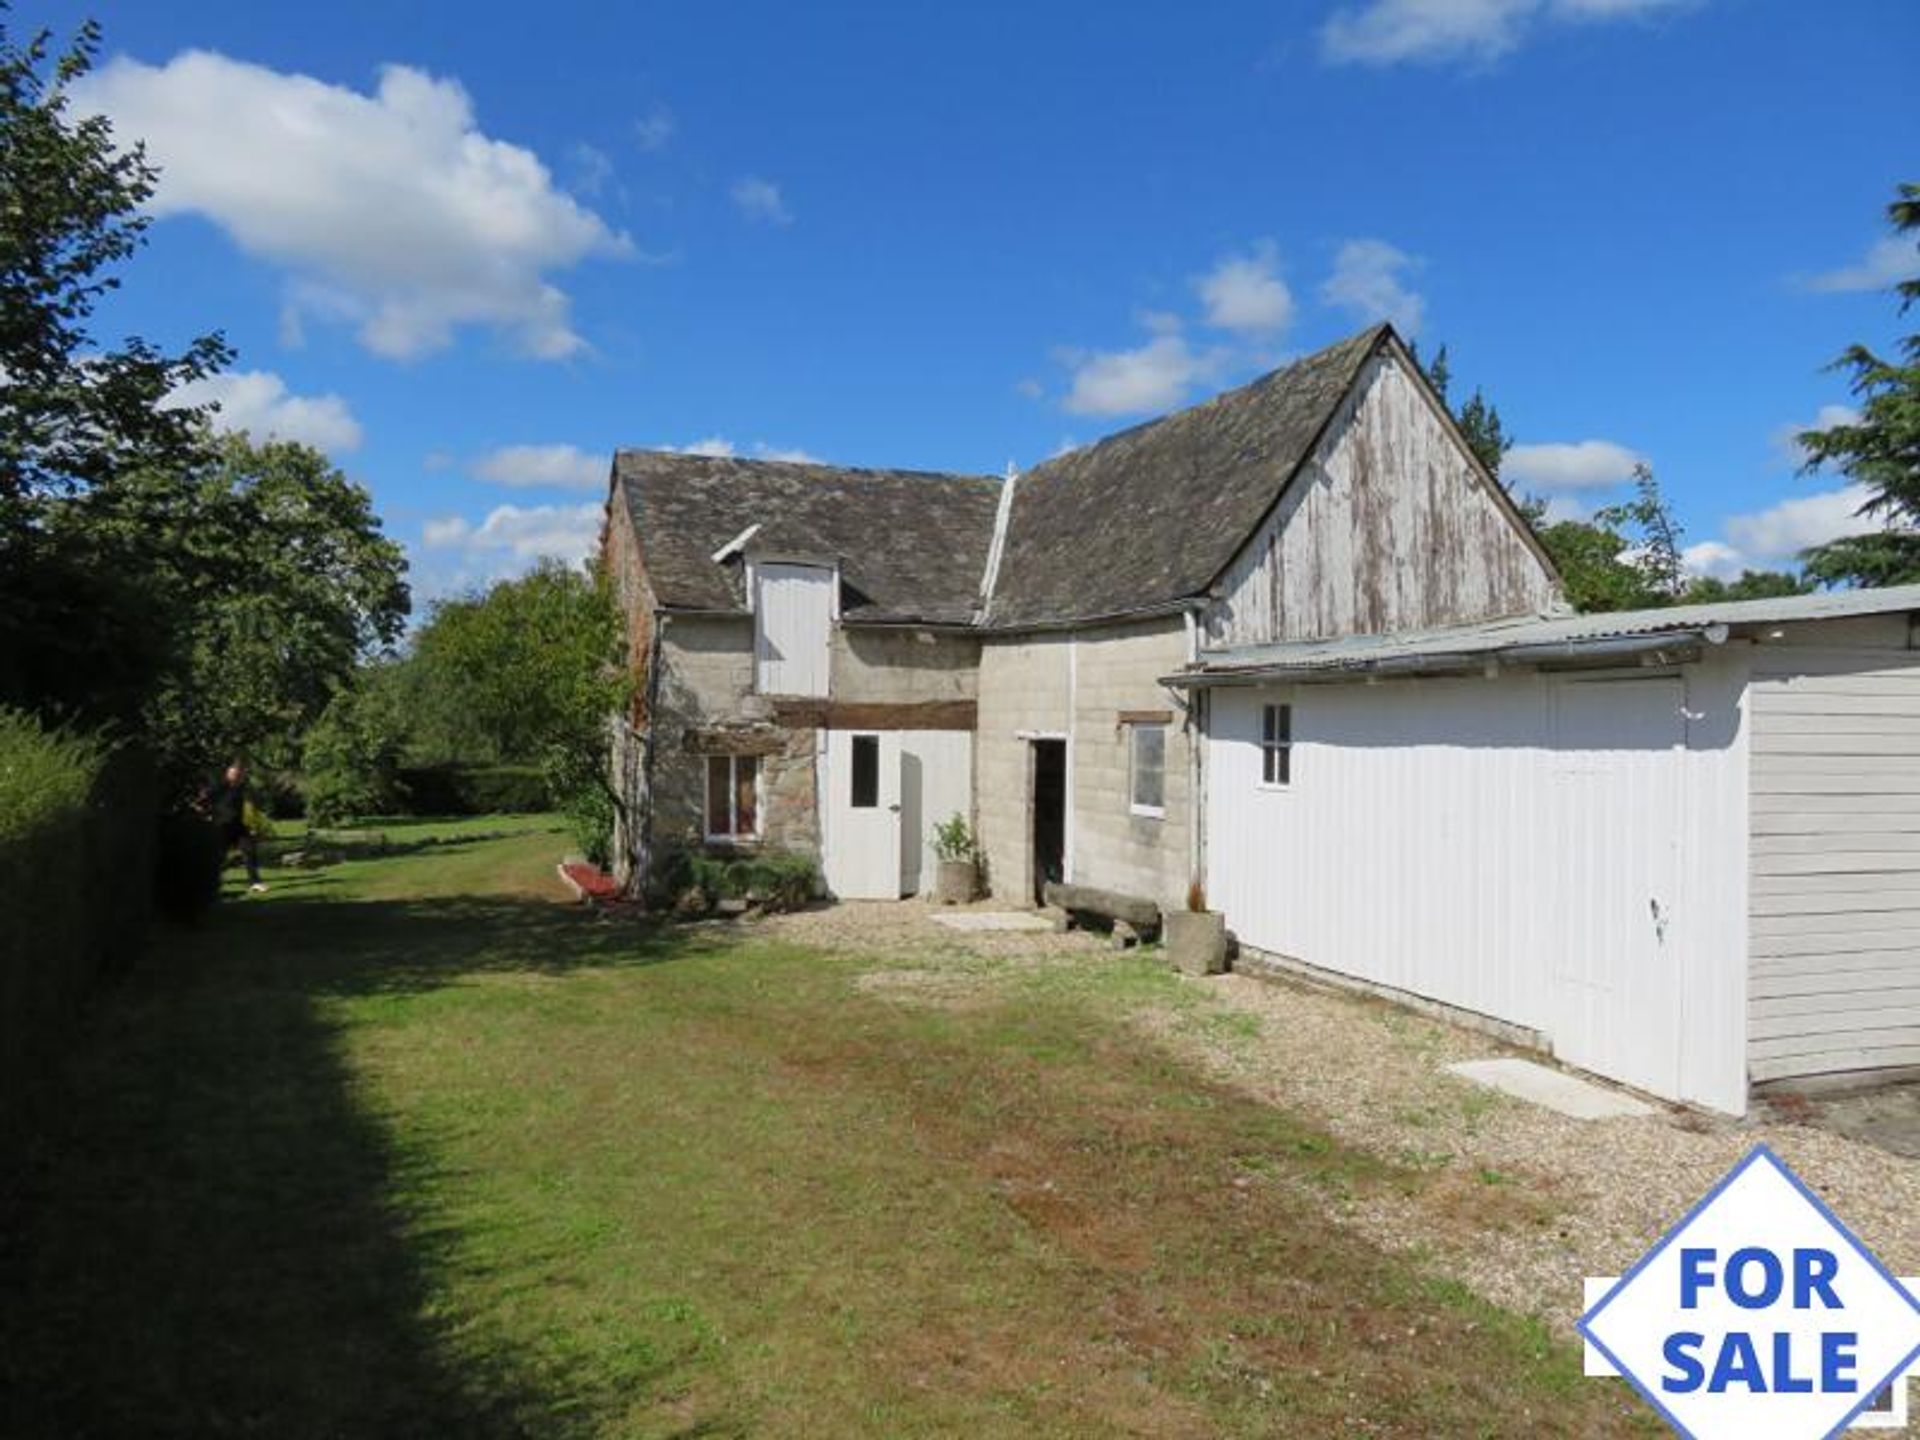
<point>1140,917</point>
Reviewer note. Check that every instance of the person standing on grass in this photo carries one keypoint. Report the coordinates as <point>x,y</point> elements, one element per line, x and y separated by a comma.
<point>230,812</point>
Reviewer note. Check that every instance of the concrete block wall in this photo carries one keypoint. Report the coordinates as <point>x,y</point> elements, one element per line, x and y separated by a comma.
<point>1077,684</point>
<point>1023,687</point>
<point>1117,669</point>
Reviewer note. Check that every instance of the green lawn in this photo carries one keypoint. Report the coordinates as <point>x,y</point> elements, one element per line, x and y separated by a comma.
<point>407,1148</point>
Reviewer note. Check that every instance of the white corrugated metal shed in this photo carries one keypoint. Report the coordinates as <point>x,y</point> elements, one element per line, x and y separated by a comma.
<point>1533,638</point>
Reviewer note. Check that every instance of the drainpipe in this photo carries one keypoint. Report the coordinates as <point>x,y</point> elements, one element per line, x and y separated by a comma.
<point>1198,714</point>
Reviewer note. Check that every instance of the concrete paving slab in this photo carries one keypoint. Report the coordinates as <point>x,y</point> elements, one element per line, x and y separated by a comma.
<point>1554,1089</point>
<point>993,920</point>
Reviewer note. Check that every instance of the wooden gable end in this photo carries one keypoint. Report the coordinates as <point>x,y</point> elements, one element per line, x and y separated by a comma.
<point>1389,525</point>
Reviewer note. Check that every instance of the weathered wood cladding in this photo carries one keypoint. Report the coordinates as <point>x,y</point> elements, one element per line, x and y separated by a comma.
<point>1388,526</point>
<point>1834,891</point>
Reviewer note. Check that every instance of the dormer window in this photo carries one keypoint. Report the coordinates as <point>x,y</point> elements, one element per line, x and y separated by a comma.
<point>793,609</point>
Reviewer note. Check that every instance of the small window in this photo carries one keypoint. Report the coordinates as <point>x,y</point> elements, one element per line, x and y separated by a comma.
<point>733,797</point>
<point>866,772</point>
<point>1276,745</point>
<point>1148,785</point>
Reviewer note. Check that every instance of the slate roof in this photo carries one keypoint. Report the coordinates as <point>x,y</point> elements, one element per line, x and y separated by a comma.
<point>912,545</point>
<point>1151,516</point>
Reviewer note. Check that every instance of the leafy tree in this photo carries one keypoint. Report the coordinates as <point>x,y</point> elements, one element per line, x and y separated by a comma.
<point>276,579</point>
<point>1655,533</point>
<point>535,668</point>
<point>1752,585</point>
<point>1627,557</point>
<point>1596,569</point>
<point>76,414</point>
<point>1880,449</point>
<point>351,757</point>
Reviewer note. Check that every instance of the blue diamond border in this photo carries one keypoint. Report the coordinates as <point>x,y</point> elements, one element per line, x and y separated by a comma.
<point>1753,1156</point>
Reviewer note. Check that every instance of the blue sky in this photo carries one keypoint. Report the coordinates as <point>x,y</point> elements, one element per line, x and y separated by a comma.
<point>469,250</point>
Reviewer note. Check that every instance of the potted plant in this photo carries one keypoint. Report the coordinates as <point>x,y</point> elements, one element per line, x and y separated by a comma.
<point>956,878</point>
<point>1197,937</point>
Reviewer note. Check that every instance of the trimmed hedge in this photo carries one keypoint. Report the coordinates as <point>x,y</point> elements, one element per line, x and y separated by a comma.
<point>76,865</point>
<point>475,789</point>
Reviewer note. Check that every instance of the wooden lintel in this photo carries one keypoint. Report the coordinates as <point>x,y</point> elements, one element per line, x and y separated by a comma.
<point>878,714</point>
<point>732,740</point>
<point>1144,717</point>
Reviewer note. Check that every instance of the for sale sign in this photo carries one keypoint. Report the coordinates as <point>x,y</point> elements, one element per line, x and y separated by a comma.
<point>1758,1316</point>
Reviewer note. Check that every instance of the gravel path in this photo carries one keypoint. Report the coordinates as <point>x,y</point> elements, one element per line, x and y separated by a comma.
<point>1519,1203</point>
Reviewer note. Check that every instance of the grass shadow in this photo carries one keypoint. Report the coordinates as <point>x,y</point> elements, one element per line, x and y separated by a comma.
<point>203,1229</point>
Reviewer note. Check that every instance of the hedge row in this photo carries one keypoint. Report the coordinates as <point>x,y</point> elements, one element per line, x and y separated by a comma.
<point>76,855</point>
<point>474,790</point>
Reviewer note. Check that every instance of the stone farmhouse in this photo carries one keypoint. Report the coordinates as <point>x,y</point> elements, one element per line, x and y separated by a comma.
<point>1294,650</point>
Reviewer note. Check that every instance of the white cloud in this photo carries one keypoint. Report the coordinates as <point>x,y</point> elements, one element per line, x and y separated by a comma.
<point>1774,537</point>
<point>258,402</point>
<point>1368,280</point>
<point>1245,293</point>
<point>1563,467</point>
<point>565,467</point>
<point>1391,32</point>
<point>1153,376</point>
<point>392,211</point>
<point>1786,438</point>
<point>720,447</point>
<point>1781,531</point>
<point>515,535</point>
<point>759,199</point>
<point>592,169</point>
<point>1885,265</point>
<point>655,130</point>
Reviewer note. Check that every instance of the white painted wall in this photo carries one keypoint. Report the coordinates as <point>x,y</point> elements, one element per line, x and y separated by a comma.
<point>1835,856</point>
<point>1472,842</point>
<point>792,626</point>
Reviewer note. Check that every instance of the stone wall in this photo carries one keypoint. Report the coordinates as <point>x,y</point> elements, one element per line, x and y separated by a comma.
<point>705,706</point>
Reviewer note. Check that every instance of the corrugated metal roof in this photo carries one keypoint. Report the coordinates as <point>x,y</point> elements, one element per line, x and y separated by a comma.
<point>1539,636</point>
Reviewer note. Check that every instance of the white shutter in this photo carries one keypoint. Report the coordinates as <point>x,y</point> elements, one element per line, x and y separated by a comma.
<point>792,623</point>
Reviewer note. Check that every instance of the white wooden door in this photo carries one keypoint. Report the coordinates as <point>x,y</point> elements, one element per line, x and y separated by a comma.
<point>863,840</point>
<point>1615,873</point>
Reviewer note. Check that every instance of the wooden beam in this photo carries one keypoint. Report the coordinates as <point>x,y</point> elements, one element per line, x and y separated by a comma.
<point>1143,915</point>
<point>878,714</point>
<point>733,740</point>
<point>1144,717</point>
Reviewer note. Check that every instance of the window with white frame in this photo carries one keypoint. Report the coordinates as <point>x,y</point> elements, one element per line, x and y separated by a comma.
<point>733,797</point>
<point>1276,745</point>
<point>1147,770</point>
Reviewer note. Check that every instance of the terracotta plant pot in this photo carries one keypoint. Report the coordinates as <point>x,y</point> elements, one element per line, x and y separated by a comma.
<point>1197,941</point>
<point>955,881</point>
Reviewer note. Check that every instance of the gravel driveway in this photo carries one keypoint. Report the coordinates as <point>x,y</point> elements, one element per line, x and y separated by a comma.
<point>1524,1202</point>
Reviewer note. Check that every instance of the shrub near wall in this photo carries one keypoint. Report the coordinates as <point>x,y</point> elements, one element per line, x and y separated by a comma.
<point>76,860</point>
